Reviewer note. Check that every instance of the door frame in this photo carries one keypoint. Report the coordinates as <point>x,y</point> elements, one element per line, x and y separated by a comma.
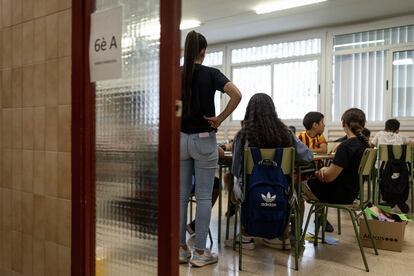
<point>83,141</point>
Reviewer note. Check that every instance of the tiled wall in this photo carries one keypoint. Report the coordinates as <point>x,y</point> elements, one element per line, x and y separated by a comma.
<point>35,186</point>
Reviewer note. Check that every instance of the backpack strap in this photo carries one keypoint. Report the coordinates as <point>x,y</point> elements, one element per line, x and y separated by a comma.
<point>403,152</point>
<point>256,154</point>
<point>390,152</point>
<point>278,156</point>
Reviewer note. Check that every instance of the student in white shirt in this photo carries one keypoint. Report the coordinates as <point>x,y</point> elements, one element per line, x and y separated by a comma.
<point>390,135</point>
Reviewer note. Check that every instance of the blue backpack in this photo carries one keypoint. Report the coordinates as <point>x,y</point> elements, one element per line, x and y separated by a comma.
<point>265,211</point>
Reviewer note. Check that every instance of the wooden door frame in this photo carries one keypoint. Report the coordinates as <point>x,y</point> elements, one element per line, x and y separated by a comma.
<point>83,141</point>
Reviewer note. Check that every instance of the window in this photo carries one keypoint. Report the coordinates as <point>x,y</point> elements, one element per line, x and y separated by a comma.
<point>288,72</point>
<point>295,88</point>
<point>359,81</point>
<point>360,65</point>
<point>250,80</point>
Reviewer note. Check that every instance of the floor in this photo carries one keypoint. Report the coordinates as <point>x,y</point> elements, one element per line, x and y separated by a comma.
<point>342,259</point>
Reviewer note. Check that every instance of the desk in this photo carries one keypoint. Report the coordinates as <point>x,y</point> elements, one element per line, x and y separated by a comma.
<point>224,162</point>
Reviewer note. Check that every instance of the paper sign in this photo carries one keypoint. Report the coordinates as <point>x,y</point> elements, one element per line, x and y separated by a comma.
<point>105,49</point>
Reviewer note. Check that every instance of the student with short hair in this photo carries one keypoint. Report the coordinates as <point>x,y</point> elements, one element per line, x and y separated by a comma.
<point>390,135</point>
<point>313,137</point>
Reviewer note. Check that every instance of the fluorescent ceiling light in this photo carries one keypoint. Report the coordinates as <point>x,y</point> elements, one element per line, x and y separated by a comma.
<point>284,5</point>
<point>188,24</point>
<point>359,43</point>
<point>406,61</point>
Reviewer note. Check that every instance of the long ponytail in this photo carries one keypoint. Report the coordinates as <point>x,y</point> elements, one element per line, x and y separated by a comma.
<point>194,43</point>
<point>355,119</point>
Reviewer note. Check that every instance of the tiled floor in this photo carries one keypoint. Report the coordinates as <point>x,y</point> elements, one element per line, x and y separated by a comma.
<point>332,260</point>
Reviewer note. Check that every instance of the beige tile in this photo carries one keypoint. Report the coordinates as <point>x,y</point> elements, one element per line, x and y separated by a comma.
<point>17,87</point>
<point>64,175</point>
<point>39,227</point>
<point>39,8</point>
<point>39,84</point>
<point>7,44</point>
<point>39,172</point>
<point>7,214</point>
<point>7,123</point>
<point>17,44</point>
<point>6,95</point>
<point>17,11</point>
<point>27,255</point>
<point>52,28</point>
<point>52,6</point>
<point>65,74</point>
<point>28,41</point>
<point>17,211</point>
<point>51,204</point>
<point>7,12</point>
<point>17,125</point>
<point>28,139</point>
<point>65,33</point>
<point>39,127</point>
<point>28,10</point>
<point>27,213</point>
<point>27,86</point>
<point>7,248</point>
<point>65,4</point>
<point>6,173</point>
<point>64,260</point>
<point>16,251</point>
<point>27,177</point>
<point>52,82</point>
<point>38,257</point>
<point>51,138</point>
<point>51,259</point>
<point>51,177</point>
<point>64,135</point>
<point>64,225</point>
<point>39,46</point>
<point>17,165</point>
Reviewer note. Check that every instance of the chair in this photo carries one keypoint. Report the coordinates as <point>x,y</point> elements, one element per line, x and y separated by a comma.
<point>383,157</point>
<point>288,161</point>
<point>365,176</point>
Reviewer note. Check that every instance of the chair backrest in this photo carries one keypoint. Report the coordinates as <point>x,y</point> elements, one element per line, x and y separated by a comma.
<point>331,145</point>
<point>365,171</point>
<point>397,150</point>
<point>288,159</point>
<point>367,161</point>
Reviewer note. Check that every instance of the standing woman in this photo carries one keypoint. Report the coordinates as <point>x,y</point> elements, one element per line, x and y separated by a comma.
<point>198,149</point>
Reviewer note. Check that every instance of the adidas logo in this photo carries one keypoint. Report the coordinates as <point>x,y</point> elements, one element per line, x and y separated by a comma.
<point>268,199</point>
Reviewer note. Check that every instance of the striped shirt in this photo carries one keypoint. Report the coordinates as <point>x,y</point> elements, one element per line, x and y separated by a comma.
<point>312,143</point>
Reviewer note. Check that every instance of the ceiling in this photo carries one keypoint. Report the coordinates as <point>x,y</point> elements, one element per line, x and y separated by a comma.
<point>229,20</point>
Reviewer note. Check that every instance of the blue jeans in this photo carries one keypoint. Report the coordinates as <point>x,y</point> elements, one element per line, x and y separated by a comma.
<point>198,156</point>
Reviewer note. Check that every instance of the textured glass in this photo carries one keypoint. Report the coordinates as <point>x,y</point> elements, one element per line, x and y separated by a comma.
<point>277,50</point>
<point>359,81</point>
<point>403,84</point>
<point>250,80</point>
<point>396,35</point>
<point>295,89</point>
<point>127,122</point>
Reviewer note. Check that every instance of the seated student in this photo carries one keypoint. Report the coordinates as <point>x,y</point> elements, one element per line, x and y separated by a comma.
<point>313,135</point>
<point>262,128</point>
<point>338,183</point>
<point>390,135</point>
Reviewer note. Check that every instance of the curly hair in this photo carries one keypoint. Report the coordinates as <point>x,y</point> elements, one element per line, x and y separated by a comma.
<point>261,126</point>
<point>355,119</point>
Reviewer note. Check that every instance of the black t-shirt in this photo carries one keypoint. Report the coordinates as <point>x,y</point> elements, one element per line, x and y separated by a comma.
<point>344,189</point>
<point>206,81</point>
